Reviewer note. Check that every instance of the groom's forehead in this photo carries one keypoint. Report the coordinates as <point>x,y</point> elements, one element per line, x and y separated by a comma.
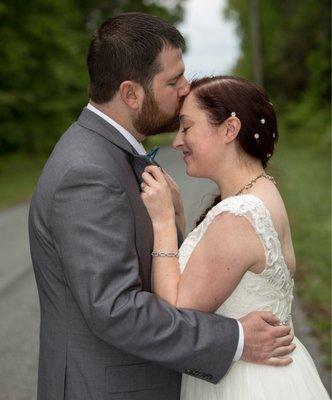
<point>169,56</point>
<point>170,62</point>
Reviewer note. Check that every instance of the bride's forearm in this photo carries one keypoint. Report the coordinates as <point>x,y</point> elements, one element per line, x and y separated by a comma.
<point>165,270</point>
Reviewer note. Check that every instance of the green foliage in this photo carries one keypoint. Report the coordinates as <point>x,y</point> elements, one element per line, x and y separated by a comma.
<point>42,81</point>
<point>43,78</point>
<point>303,173</point>
<point>18,177</point>
<point>296,48</point>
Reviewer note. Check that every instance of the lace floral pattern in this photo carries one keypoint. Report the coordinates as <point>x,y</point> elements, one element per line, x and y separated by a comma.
<point>270,290</point>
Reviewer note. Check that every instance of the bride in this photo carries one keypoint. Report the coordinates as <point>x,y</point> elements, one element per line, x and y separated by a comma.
<point>240,257</point>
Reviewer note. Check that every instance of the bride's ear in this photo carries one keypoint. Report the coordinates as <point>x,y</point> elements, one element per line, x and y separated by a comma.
<point>232,128</point>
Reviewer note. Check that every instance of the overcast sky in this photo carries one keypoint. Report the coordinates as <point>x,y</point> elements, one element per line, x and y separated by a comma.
<point>213,46</point>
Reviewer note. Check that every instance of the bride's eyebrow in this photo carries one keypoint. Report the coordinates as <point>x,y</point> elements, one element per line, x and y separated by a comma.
<point>185,119</point>
<point>184,116</point>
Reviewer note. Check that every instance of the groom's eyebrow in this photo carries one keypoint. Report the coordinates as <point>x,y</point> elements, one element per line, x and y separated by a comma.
<point>177,76</point>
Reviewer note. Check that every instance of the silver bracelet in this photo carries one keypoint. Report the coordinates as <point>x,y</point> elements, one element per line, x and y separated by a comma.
<point>162,254</point>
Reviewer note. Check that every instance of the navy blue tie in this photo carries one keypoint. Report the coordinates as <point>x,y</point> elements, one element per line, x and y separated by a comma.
<point>140,162</point>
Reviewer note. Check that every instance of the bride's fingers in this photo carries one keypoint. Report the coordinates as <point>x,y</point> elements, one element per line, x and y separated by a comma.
<point>148,179</point>
<point>156,173</point>
<point>284,351</point>
<point>279,362</point>
<point>169,179</point>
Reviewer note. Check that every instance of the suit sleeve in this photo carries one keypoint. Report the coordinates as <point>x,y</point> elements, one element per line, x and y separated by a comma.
<point>92,226</point>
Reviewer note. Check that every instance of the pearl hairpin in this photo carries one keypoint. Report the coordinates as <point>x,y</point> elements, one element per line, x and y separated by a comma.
<point>256,136</point>
<point>233,114</point>
<point>263,121</point>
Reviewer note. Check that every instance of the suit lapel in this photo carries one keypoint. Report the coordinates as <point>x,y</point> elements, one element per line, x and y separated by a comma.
<point>143,226</point>
<point>130,181</point>
<point>143,229</point>
<point>95,123</point>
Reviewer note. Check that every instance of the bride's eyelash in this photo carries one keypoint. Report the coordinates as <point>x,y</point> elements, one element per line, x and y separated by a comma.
<point>184,130</point>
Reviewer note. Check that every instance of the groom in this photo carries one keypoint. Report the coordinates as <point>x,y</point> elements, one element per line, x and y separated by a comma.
<point>103,334</point>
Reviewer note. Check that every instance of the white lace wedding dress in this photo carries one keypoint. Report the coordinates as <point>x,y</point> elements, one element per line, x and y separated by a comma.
<point>271,290</point>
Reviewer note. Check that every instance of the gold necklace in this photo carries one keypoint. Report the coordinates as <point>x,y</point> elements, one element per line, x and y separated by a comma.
<point>251,183</point>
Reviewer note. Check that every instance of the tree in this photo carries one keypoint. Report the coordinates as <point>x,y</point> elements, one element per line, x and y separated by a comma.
<point>296,47</point>
<point>43,78</point>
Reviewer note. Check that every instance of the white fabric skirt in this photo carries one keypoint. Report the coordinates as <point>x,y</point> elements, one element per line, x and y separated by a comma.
<point>246,381</point>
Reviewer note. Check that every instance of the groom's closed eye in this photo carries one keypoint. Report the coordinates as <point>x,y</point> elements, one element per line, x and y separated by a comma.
<point>175,79</point>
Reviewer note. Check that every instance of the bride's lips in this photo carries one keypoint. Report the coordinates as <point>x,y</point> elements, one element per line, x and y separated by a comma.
<point>186,154</point>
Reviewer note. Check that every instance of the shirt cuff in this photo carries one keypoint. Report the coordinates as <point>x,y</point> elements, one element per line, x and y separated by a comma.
<point>240,345</point>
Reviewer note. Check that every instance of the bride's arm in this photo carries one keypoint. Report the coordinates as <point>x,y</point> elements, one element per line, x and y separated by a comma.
<point>165,270</point>
<point>226,251</point>
<point>157,197</point>
<point>228,248</point>
<point>177,202</point>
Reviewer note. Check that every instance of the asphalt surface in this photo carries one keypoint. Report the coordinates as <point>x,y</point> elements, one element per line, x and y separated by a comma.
<point>19,306</point>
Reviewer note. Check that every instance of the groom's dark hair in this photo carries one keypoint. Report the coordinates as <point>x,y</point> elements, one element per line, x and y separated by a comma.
<point>126,47</point>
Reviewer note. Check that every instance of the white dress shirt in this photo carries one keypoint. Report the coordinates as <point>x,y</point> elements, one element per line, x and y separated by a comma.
<point>127,135</point>
<point>140,150</point>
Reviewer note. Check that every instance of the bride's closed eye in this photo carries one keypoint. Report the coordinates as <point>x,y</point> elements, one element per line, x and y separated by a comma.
<point>184,129</point>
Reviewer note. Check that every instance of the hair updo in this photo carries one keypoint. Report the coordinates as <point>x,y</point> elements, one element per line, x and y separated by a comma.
<point>222,96</point>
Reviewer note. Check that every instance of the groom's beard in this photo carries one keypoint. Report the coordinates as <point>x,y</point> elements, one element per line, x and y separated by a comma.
<point>152,121</point>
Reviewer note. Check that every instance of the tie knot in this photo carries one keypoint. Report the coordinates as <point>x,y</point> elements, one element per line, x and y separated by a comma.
<point>153,152</point>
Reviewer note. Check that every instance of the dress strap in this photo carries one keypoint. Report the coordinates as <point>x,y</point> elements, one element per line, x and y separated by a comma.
<point>254,210</point>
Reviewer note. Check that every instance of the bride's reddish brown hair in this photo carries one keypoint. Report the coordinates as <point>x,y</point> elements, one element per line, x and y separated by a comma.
<point>220,96</point>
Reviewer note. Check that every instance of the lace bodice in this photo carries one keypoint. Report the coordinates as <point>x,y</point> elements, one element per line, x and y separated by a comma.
<point>270,290</point>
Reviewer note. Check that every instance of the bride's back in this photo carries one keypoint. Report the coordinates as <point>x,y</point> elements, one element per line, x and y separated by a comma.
<point>269,194</point>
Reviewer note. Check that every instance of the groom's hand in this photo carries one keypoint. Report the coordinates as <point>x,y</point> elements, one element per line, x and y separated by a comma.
<point>265,343</point>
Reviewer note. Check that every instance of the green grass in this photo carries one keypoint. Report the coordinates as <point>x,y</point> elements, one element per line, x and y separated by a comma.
<point>303,173</point>
<point>18,176</point>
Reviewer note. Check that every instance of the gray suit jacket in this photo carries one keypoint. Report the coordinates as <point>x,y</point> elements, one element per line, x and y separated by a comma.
<point>103,334</point>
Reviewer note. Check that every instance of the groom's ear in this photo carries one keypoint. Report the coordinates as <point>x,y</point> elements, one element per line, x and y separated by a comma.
<point>132,94</point>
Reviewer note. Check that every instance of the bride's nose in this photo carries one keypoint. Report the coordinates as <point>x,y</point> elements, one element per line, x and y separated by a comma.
<point>178,141</point>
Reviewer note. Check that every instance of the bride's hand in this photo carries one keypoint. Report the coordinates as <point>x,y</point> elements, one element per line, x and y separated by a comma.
<point>157,197</point>
<point>176,195</point>
<point>177,202</point>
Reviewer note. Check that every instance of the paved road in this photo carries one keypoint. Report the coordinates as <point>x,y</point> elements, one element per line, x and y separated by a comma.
<point>19,308</point>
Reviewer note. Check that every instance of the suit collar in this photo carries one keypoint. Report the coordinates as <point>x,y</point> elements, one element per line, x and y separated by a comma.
<point>95,123</point>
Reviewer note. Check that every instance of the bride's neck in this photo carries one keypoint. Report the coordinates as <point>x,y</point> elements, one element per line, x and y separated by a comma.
<point>234,177</point>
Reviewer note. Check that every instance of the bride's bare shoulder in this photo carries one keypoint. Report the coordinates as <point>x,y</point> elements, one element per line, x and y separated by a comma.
<point>273,201</point>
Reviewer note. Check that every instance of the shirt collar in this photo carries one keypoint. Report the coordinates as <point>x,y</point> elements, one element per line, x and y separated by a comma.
<point>127,135</point>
